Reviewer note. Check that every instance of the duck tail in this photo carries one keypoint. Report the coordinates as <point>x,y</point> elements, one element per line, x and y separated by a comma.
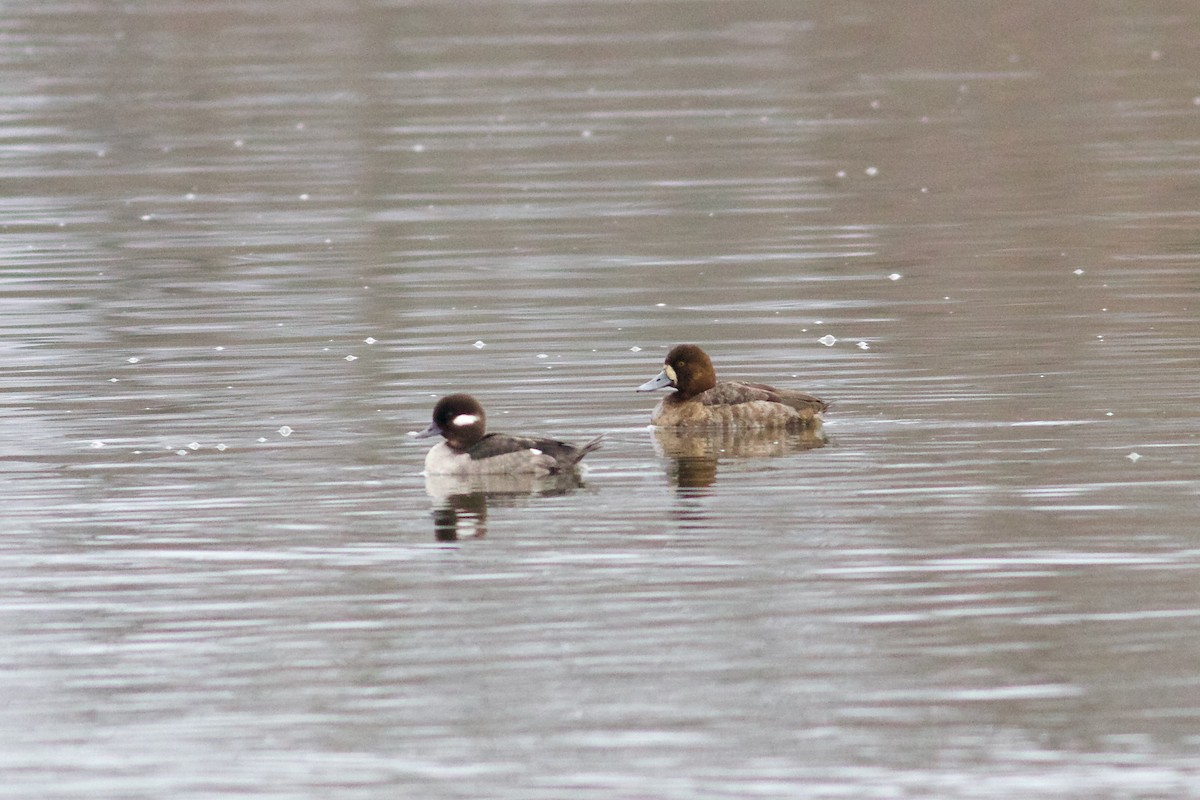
<point>594,444</point>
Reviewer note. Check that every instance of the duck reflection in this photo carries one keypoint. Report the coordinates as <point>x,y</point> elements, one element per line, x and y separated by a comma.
<point>694,455</point>
<point>461,503</point>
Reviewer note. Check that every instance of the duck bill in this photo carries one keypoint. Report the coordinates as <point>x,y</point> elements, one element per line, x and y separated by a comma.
<point>432,430</point>
<point>657,382</point>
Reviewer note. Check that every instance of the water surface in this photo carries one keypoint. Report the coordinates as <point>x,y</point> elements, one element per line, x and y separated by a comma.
<point>245,248</point>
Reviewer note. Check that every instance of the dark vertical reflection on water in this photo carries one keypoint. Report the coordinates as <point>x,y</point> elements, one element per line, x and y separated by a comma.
<point>246,245</point>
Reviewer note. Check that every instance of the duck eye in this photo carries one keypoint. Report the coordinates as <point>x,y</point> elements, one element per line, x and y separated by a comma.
<point>670,372</point>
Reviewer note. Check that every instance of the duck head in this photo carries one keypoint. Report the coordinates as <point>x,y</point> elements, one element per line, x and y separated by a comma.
<point>687,369</point>
<point>459,419</point>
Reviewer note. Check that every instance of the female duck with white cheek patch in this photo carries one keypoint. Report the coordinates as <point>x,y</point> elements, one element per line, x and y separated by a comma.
<point>467,450</point>
<point>700,401</point>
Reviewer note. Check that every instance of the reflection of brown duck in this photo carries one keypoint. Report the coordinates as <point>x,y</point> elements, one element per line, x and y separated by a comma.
<point>461,507</point>
<point>700,401</point>
<point>695,454</point>
<point>735,443</point>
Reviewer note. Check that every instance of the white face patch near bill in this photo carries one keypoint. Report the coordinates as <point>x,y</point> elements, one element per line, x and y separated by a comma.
<point>669,371</point>
<point>464,420</point>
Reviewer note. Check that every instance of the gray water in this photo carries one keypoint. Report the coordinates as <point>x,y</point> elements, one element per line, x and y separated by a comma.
<point>245,246</point>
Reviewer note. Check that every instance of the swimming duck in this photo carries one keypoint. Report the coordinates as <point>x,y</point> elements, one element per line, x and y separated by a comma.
<point>467,450</point>
<point>699,400</point>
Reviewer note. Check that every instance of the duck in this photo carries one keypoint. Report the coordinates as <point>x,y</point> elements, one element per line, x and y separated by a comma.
<point>468,451</point>
<point>699,400</point>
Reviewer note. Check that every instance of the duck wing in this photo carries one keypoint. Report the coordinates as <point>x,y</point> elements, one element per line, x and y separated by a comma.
<point>499,444</point>
<point>559,453</point>
<point>739,392</point>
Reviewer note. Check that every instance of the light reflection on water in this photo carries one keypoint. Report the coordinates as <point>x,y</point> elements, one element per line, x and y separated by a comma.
<point>244,250</point>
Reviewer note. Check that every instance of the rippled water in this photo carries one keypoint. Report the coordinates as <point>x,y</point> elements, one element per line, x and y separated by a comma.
<point>246,246</point>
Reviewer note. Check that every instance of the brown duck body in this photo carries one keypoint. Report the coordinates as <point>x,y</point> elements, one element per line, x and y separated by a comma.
<point>699,400</point>
<point>733,403</point>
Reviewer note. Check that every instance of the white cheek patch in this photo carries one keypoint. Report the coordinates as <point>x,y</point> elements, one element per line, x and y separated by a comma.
<point>670,372</point>
<point>464,420</point>
<point>535,451</point>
